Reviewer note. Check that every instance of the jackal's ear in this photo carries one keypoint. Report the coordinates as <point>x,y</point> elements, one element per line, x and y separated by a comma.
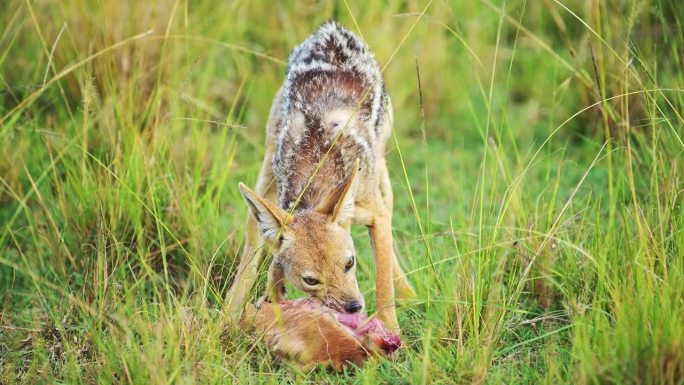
<point>339,204</point>
<point>269,217</point>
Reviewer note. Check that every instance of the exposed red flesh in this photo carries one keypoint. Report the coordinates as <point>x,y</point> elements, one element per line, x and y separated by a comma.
<point>359,324</point>
<point>308,332</point>
<point>371,327</point>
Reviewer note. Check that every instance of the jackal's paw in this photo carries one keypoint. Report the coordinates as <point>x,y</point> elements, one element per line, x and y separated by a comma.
<point>389,320</point>
<point>231,321</point>
<point>264,299</point>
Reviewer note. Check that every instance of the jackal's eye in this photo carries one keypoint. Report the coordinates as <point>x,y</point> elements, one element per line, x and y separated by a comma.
<point>349,264</point>
<point>310,281</point>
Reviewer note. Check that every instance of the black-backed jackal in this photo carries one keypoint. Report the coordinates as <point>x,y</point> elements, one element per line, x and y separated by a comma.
<point>324,170</point>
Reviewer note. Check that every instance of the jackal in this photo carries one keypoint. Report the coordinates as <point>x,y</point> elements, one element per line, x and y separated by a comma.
<point>324,170</point>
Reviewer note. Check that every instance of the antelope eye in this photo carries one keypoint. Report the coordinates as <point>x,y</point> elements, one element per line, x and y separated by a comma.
<point>349,264</point>
<point>311,281</point>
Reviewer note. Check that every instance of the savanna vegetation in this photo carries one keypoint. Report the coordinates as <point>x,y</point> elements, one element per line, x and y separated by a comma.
<point>537,161</point>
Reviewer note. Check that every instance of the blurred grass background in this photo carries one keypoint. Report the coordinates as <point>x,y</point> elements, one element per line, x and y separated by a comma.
<point>536,161</point>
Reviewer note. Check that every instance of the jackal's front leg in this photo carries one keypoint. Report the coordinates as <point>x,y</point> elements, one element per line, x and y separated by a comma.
<point>275,287</point>
<point>381,239</point>
<point>403,287</point>
<point>254,245</point>
<point>246,272</point>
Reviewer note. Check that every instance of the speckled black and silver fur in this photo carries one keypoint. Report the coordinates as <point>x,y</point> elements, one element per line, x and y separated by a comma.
<point>332,70</point>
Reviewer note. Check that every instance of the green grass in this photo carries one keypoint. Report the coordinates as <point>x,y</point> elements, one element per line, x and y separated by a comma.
<point>539,187</point>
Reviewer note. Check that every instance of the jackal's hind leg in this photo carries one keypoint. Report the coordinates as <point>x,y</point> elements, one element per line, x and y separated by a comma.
<point>403,287</point>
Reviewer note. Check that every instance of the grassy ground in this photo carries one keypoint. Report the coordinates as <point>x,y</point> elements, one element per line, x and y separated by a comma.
<point>538,170</point>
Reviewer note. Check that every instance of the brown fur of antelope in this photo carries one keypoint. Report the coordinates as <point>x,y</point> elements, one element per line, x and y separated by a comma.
<point>324,170</point>
<point>307,333</point>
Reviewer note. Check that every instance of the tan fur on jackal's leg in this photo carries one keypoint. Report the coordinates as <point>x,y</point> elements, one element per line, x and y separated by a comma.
<point>246,273</point>
<point>402,286</point>
<point>404,289</point>
<point>275,287</point>
<point>381,240</point>
<point>254,248</point>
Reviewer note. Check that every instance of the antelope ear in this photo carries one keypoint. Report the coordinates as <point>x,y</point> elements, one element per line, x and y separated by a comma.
<point>269,217</point>
<point>339,204</point>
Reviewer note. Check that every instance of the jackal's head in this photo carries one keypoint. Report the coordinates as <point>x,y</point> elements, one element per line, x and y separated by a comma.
<point>314,247</point>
